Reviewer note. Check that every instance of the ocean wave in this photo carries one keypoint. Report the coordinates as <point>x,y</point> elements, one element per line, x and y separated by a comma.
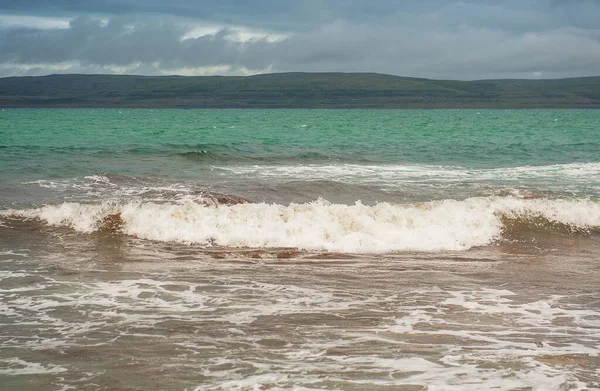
<point>323,226</point>
<point>265,157</point>
<point>420,171</point>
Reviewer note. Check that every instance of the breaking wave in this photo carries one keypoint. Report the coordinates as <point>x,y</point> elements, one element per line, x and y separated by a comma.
<point>324,226</point>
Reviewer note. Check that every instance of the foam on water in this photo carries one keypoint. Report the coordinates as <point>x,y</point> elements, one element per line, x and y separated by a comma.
<point>442,339</point>
<point>497,328</point>
<point>320,225</point>
<point>345,183</point>
<point>16,366</point>
<point>572,178</point>
<point>113,188</point>
<point>391,172</point>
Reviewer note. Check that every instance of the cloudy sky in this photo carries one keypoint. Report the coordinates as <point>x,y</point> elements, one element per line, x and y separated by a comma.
<point>422,38</point>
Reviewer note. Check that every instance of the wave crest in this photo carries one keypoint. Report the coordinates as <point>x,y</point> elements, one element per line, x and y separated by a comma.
<point>321,225</point>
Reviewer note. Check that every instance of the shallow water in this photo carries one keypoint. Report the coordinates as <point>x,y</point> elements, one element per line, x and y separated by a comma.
<point>113,313</point>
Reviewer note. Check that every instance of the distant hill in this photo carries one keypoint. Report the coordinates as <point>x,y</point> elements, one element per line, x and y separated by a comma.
<point>294,90</point>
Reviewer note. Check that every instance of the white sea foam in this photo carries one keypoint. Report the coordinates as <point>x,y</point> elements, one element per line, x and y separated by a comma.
<point>320,225</point>
<point>394,173</point>
<point>478,339</point>
<point>99,178</point>
<point>101,186</point>
<point>16,366</point>
<point>492,338</point>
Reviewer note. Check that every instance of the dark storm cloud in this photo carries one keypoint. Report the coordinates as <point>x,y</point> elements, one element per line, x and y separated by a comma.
<point>268,13</point>
<point>438,39</point>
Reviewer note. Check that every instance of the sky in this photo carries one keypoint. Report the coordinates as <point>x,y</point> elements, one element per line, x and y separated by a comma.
<point>465,40</point>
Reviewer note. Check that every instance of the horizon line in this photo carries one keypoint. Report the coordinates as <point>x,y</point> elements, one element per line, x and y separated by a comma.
<point>292,73</point>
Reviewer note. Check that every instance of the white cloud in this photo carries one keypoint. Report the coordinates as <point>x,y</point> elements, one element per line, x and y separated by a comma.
<point>236,33</point>
<point>38,22</point>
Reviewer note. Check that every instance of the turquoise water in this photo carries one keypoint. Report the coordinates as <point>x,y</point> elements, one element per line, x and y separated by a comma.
<point>299,249</point>
<point>216,147</point>
<point>60,143</point>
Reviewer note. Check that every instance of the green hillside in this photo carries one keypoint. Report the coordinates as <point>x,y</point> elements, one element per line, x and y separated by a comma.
<point>294,90</point>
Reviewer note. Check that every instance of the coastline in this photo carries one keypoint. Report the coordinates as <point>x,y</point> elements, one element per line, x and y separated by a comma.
<point>295,90</point>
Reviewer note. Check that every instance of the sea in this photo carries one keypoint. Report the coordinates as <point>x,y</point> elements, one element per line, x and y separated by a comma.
<point>299,249</point>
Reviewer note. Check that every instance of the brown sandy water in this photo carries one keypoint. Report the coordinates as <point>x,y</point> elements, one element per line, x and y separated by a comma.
<point>104,311</point>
